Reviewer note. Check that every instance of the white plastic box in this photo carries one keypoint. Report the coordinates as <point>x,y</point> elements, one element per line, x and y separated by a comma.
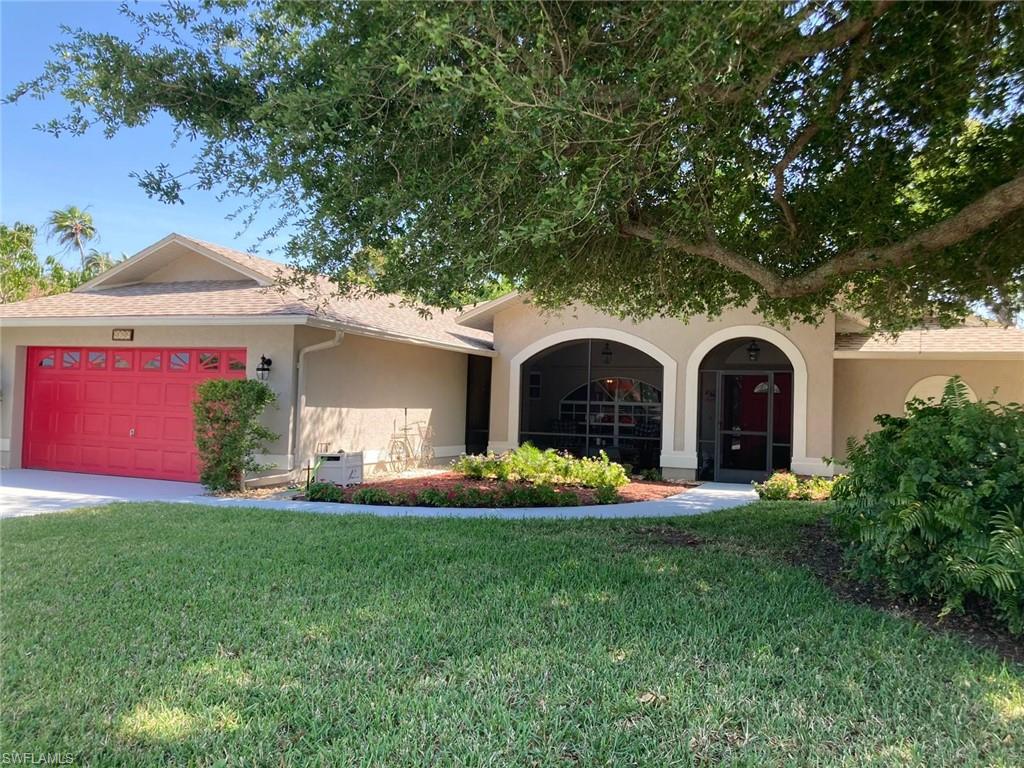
<point>340,468</point>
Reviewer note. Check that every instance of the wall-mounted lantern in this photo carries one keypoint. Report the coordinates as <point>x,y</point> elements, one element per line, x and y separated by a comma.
<point>263,369</point>
<point>753,351</point>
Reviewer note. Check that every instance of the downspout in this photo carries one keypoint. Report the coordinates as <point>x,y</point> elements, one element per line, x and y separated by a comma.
<point>300,389</point>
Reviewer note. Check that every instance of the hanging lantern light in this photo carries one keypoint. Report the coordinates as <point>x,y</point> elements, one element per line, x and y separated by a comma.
<point>753,351</point>
<point>263,369</point>
<point>606,353</point>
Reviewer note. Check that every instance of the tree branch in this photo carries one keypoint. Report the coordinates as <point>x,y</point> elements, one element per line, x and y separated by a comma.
<point>812,129</point>
<point>973,218</point>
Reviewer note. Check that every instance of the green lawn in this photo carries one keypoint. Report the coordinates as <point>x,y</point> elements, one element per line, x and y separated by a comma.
<point>155,634</point>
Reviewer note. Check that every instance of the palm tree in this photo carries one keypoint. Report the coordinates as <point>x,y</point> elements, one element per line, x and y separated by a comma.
<point>73,228</point>
<point>97,261</point>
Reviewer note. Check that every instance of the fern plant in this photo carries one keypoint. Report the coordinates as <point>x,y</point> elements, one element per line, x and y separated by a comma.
<point>932,505</point>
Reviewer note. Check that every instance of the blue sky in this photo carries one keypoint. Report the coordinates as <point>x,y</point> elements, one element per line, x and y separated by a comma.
<point>39,173</point>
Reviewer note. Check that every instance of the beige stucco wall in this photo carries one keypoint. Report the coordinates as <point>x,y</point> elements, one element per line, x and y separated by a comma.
<point>865,388</point>
<point>519,326</point>
<point>275,341</point>
<point>192,266</point>
<point>356,393</point>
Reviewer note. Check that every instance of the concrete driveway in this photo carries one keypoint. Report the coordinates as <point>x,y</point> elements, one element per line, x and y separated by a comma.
<point>33,491</point>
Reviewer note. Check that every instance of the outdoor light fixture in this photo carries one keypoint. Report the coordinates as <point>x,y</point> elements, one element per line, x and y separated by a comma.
<point>753,351</point>
<point>606,354</point>
<point>263,369</point>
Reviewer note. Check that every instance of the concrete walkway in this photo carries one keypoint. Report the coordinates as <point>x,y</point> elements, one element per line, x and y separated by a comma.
<point>35,491</point>
<point>26,492</point>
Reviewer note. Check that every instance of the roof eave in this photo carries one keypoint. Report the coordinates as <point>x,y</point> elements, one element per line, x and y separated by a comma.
<point>174,237</point>
<point>885,354</point>
<point>481,316</point>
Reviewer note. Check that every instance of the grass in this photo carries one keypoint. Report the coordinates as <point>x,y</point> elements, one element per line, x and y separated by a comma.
<point>152,634</point>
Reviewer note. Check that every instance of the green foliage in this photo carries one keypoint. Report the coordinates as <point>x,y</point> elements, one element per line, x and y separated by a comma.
<point>320,491</point>
<point>531,464</point>
<point>778,487</point>
<point>377,496</point>
<point>648,159</point>
<point>24,275</point>
<point>652,475</point>
<point>72,227</point>
<point>785,485</point>
<point>932,504</point>
<point>228,431</point>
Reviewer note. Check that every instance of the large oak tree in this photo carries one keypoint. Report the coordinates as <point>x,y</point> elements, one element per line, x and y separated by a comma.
<point>647,158</point>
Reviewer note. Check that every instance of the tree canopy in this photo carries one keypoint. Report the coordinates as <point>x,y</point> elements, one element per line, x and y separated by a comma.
<point>646,158</point>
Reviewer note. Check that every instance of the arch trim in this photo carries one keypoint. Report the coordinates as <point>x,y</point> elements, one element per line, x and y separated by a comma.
<point>799,462</point>
<point>669,376</point>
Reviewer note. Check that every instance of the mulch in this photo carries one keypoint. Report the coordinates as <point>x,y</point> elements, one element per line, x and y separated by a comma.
<point>819,550</point>
<point>637,490</point>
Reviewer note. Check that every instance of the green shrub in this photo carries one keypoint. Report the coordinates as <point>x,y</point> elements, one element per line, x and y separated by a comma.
<point>325,492</point>
<point>779,487</point>
<point>432,497</point>
<point>228,431</point>
<point>607,494</point>
<point>549,467</point>
<point>815,488</point>
<point>785,485</point>
<point>932,503</point>
<point>652,475</point>
<point>374,496</point>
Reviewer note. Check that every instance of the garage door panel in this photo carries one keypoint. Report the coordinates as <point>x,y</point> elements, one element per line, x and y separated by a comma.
<point>68,392</point>
<point>147,460</point>
<point>147,427</point>
<point>149,393</point>
<point>69,423</point>
<point>177,428</point>
<point>118,411</point>
<point>45,392</point>
<point>42,421</point>
<point>122,393</point>
<point>119,459</point>
<point>67,454</point>
<point>96,392</point>
<point>178,393</point>
<point>176,462</point>
<point>121,425</point>
<point>94,456</point>
<point>95,424</point>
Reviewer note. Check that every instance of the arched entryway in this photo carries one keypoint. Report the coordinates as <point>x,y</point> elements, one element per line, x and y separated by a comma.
<point>745,411</point>
<point>590,395</point>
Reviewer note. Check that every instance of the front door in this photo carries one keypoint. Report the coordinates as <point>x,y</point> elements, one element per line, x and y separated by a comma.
<point>752,425</point>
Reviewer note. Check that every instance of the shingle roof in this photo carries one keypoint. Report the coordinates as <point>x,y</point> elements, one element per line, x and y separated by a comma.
<point>384,315</point>
<point>200,297</point>
<point>975,335</point>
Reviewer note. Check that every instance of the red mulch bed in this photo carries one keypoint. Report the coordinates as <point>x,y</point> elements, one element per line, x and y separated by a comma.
<point>638,490</point>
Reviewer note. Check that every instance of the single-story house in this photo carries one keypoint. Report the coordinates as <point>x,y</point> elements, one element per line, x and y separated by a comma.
<point>100,380</point>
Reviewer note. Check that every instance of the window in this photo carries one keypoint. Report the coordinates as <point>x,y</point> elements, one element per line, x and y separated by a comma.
<point>616,407</point>
<point>209,361</point>
<point>151,361</point>
<point>534,385</point>
<point>236,361</point>
<point>97,359</point>
<point>47,360</point>
<point>179,361</point>
<point>123,361</point>
<point>71,358</point>
<point>931,388</point>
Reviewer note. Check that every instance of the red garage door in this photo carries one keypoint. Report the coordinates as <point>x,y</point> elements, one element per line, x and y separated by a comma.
<point>118,411</point>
